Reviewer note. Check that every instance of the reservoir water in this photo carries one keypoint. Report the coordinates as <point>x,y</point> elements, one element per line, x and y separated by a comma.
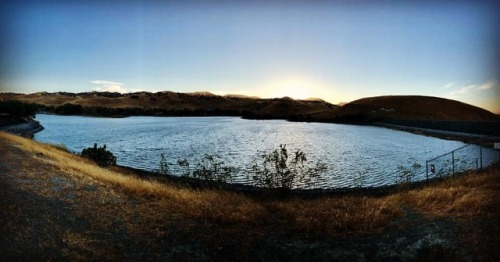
<point>349,151</point>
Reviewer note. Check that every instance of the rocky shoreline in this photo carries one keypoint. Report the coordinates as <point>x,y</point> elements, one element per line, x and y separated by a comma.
<point>26,129</point>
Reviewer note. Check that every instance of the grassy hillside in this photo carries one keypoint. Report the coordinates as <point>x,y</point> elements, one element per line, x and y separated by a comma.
<point>171,103</point>
<point>410,107</point>
<point>59,206</point>
<point>204,103</point>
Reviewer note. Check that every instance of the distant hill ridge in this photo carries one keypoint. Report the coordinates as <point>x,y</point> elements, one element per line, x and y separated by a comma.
<point>171,103</point>
<point>204,103</point>
<point>408,108</point>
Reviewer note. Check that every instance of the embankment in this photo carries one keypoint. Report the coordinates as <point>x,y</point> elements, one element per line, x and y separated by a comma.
<point>22,127</point>
<point>469,127</point>
<point>59,206</point>
<point>481,133</point>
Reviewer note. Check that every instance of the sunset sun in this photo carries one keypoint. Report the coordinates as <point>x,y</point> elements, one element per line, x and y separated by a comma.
<point>293,87</point>
<point>294,91</point>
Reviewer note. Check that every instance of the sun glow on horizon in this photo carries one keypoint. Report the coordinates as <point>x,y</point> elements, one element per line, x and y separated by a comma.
<point>299,88</point>
<point>293,91</point>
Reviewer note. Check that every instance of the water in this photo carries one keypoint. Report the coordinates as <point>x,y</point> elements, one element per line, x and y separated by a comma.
<point>348,150</point>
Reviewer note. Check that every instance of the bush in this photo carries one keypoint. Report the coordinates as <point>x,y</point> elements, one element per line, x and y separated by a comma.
<point>184,165</point>
<point>209,168</point>
<point>278,171</point>
<point>163,168</point>
<point>68,109</point>
<point>100,155</point>
<point>359,179</point>
<point>406,175</point>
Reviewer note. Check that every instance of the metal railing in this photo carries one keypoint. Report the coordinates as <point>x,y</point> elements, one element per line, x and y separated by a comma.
<point>461,159</point>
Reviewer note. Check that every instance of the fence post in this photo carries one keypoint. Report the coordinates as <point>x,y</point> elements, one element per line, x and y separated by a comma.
<point>481,156</point>
<point>426,171</point>
<point>453,162</point>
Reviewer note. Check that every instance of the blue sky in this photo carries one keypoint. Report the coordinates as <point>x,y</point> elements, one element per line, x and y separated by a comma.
<point>335,50</point>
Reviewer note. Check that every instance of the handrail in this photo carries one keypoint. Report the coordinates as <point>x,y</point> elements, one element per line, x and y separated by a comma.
<point>429,160</point>
<point>478,165</point>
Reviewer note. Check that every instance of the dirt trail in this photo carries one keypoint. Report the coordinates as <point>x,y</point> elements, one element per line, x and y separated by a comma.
<point>50,215</point>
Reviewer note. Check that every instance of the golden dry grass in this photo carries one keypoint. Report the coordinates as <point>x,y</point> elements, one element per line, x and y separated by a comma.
<point>338,215</point>
<point>212,204</point>
<point>465,196</point>
<point>474,194</point>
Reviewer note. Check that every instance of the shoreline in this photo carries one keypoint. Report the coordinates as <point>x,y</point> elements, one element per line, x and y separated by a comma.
<point>469,138</point>
<point>30,127</point>
<point>26,129</point>
<point>250,190</point>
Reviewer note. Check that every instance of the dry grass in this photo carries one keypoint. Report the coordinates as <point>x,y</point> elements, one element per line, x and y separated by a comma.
<point>465,196</point>
<point>209,204</point>
<point>474,194</point>
<point>338,215</point>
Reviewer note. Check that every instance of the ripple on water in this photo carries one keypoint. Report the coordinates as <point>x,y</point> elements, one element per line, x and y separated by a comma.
<point>348,150</point>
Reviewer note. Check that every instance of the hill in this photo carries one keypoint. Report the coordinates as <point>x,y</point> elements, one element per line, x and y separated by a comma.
<point>166,103</point>
<point>407,108</point>
<point>171,103</point>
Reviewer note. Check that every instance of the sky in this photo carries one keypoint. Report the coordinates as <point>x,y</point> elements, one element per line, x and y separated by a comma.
<point>338,51</point>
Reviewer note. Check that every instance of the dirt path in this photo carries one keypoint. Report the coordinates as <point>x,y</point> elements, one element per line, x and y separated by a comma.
<point>51,215</point>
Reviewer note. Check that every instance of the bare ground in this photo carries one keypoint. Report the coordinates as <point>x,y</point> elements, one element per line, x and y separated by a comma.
<point>47,214</point>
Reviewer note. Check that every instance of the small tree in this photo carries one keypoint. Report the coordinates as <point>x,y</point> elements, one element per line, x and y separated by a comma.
<point>184,164</point>
<point>406,175</point>
<point>211,168</point>
<point>280,171</point>
<point>359,179</point>
<point>100,155</point>
<point>163,168</point>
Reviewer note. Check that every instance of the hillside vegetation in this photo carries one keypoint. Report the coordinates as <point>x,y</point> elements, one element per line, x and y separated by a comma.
<point>171,103</point>
<point>371,109</point>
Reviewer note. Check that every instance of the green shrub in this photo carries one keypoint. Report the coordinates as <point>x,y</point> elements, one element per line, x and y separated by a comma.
<point>100,155</point>
<point>279,171</point>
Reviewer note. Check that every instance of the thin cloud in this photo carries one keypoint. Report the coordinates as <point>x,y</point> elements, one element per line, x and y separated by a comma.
<point>108,86</point>
<point>470,89</point>
<point>488,85</point>
<point>448,85</point>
